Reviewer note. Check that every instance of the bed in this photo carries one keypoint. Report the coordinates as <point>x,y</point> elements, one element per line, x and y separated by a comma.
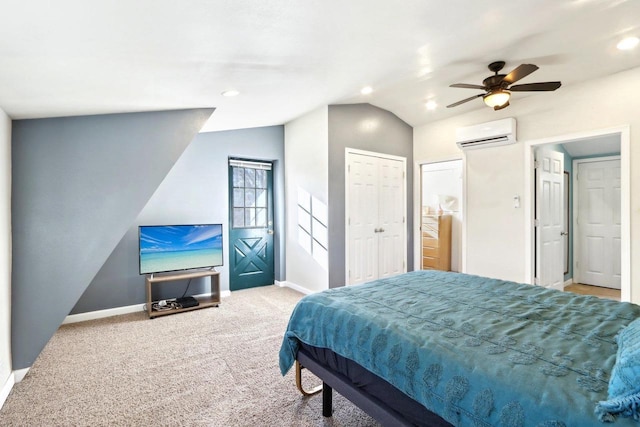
<point>435,348</point>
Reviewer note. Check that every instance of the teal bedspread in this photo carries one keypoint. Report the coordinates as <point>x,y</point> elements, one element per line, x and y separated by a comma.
<point>476,351</point>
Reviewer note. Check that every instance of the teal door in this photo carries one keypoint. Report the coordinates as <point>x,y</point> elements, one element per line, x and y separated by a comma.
<point>251,224</point>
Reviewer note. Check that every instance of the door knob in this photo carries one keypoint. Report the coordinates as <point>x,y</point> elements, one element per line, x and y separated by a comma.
<point>269,231</point>
<point>564,233</point>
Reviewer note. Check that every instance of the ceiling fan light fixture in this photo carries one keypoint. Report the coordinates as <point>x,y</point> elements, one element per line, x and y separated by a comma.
<point>628,43</point>
<point>431,105</point>
<point>497,98</point>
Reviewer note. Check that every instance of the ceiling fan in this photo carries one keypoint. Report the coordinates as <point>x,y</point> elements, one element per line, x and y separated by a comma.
<point>498,87</point>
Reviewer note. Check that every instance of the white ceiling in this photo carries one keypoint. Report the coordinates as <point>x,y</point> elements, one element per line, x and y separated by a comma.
<point>288,57</point>
<point>600,145</point>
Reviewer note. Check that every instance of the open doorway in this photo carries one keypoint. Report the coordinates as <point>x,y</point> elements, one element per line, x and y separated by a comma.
<point>441,215</point>
<point>578,239</point>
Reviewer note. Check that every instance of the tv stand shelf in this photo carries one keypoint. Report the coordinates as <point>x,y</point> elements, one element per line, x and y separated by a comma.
<point>212,300</point>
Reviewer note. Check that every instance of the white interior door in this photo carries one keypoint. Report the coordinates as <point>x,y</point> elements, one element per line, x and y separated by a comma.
<point>362,187</point>
<point>550,218</point>
<point>391,229</point>
<point>598,223</point>
<point>376,209</point>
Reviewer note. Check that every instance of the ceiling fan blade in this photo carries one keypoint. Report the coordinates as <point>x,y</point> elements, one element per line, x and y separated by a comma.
<point>467,86</point>
<point>535,87</point>
<point>519,72</point>
<point>500,107</point>
<point>455,104</point>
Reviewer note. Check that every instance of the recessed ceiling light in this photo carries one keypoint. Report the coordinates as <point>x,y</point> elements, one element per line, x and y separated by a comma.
<point>431,105</point>
<point>628,43</point>
<point>366,90</point>
<point>231,92</point>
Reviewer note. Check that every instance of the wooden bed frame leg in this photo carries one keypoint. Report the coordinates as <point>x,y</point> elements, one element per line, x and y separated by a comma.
<point>327,400</point>
<point>311,392</point>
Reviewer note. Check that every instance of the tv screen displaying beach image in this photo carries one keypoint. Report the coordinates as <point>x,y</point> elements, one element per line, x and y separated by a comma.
<point>179,247</point>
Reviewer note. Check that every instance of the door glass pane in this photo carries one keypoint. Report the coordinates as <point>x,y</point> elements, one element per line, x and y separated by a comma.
<point>249,217</point>
<point>238,197</point>
<point>261,217</point>
<point>249,197</point>
<point>261,198</point>
<point>261,178</point>
<point>250,178</point>
<point>238,177</point>
<point>238,217</point>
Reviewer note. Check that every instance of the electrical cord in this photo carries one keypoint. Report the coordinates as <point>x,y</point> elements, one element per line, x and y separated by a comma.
<point>185,291</point>
<point>168,304</point>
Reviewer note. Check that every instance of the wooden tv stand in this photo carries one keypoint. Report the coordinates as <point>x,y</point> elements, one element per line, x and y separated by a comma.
<point>212,300</point>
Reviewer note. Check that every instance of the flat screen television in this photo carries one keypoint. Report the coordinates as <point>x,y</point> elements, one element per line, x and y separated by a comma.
<point>165,248</point>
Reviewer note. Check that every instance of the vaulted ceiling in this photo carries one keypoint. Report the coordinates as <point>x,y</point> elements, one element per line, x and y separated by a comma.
<point>78,57</point>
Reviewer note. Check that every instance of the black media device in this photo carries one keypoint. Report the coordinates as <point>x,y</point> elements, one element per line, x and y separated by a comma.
<point>186,302</point>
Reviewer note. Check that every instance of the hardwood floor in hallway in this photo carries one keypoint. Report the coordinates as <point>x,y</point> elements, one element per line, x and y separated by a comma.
<point>597,291</point>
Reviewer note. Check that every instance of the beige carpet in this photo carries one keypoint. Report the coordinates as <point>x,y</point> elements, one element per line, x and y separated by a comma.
<point>210,367</point>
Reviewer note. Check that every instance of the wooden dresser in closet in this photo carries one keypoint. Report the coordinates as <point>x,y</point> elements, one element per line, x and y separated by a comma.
<point>436,242</point>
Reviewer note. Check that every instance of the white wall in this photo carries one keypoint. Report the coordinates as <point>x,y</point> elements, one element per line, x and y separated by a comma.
<point>495,230</point>
<point>306,152</point>
<point>5,250</point>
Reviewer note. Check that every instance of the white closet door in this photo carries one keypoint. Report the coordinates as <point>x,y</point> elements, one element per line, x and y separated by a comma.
<point>599,223</point>
<point>376,229</point>
<point>363,218</point>
<point>550,215</point>
<point>391,228</point>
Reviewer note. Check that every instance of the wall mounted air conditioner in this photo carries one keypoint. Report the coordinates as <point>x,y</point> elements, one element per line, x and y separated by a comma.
<point>490,134</point>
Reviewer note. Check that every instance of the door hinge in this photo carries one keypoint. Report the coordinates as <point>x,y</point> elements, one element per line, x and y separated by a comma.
<point>403,220</point>
<point>348,168</point>
<point>536,164</point>
<point>536,281</point>
<point>349,221</point>
<point>536,222</point>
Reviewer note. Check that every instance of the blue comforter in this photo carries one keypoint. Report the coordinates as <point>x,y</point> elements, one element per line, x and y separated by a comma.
<point>476,351</point>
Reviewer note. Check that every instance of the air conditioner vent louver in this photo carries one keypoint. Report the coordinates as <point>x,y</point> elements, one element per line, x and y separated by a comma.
<point>490,134</point>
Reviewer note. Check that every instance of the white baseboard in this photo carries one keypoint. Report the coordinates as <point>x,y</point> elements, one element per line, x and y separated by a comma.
<point>567,283</point>
<point>99,314</point>
<point>285,284</point>
<point>559,287</point>
<point>6,389</point>
<point>19,374</point>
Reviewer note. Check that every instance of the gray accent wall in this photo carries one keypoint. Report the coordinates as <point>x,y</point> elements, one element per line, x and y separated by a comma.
<point>363,127</point>
<point>78,183</point>
<point>194,191</point>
